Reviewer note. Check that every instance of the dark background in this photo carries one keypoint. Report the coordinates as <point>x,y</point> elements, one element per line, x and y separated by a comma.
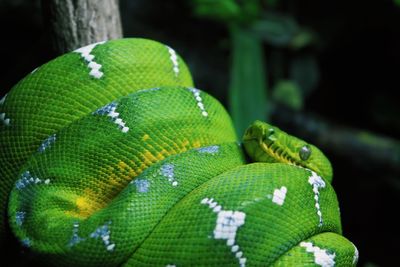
<point>358,56</point>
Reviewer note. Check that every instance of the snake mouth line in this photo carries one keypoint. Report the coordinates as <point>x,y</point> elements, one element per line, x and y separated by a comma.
<point>279,154</point>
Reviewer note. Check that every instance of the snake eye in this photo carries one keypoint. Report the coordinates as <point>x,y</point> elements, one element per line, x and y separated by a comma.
<point>305,152</point>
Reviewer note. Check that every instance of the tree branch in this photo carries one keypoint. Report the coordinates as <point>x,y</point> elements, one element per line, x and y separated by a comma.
<point>367,150</point>
<point>76,23</point>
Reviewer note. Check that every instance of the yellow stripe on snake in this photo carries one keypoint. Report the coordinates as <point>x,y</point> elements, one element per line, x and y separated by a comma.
<point>110,157</point>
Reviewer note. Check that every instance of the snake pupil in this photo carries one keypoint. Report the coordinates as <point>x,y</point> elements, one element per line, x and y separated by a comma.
<point>305,152</point>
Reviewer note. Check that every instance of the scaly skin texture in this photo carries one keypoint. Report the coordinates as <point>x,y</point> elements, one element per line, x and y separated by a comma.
<point>112,158</point>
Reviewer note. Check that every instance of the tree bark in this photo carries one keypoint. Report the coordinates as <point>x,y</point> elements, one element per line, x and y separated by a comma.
<point>76,23</point>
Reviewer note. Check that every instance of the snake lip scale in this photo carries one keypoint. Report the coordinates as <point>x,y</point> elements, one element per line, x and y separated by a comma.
<point>112,157</point>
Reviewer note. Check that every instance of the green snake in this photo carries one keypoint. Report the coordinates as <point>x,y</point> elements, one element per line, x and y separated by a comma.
<point>110,157</point>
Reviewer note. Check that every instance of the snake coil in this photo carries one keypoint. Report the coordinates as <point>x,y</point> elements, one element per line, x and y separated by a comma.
<point>109,156</point>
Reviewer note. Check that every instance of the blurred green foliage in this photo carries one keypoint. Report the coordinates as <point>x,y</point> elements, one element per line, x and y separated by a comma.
<point>228,11</point>
<point>253,25</point>
<point>287,93</point>
<point>247,89</point>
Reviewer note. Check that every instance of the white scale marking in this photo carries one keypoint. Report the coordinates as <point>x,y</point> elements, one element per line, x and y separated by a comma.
<point>3,99</point>
<point>75,237</point>
<point>174,59</point>
<point>47,143</point>
<point>317,183</point>
<point>196,93</point>
<point>26,242</point>
<point>3,117</point>
<point>228,222</point>
<point>142,185</point>
<point>94,67</point>
<point>167,170</point>
<point>356,254</point>
<point>278,198</point>
<point>110,111</point>
<point>279,195</point>
<point>209,150</point>
<point>27,179</point>
<point>20,217</point>
<point>104,232</point>
<point>321,256</point>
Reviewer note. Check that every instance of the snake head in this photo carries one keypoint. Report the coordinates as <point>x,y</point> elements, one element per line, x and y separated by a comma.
<point>266,143</point>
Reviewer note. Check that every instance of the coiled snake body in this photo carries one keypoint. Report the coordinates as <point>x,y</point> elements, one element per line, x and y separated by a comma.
<point>109,156</point>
